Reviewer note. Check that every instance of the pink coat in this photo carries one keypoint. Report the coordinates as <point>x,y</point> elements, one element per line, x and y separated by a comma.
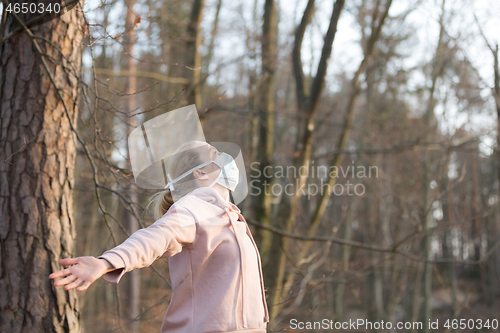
<point>216,273</point>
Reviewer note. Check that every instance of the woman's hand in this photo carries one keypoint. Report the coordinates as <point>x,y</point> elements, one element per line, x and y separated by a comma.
<point>84,271</point>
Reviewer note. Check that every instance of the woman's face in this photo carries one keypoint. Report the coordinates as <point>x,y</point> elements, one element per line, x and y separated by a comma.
<point>209,173</point>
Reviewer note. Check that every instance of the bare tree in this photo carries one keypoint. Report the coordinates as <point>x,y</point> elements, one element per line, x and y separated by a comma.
<point>304,146</point>
<point>307,101</point>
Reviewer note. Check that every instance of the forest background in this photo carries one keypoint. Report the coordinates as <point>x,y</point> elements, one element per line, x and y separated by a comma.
<point>406,89</point>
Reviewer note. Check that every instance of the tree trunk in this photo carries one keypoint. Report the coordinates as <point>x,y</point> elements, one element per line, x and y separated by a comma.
<point>346,254</point>
<point>266,123</point>
<point>376,305</point>
<point>213,34</point>
<point>449,215</point>
<point>429,120</point>
<point>134,279</point>
<point>496,95</point>
<point>251,102</point>
<point>192,56</point>
<point>495,260</point>
<point>37,157</point>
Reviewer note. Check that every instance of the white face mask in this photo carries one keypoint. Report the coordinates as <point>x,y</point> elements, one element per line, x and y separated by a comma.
<point>228,177</point>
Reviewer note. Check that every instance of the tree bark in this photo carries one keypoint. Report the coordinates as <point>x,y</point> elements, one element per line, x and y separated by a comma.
<point>37,158</point>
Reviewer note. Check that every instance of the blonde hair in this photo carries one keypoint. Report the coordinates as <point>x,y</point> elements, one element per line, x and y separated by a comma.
<point>184,158</point>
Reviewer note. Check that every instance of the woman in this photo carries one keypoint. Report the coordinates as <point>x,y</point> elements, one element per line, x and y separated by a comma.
<point>214,263</point>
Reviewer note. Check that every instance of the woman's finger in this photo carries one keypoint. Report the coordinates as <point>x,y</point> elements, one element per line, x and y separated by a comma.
<point>84,286</point>
<point>75,284</point>
<point>60,273</point>
<point>64,281</point>
<point>68,261</point>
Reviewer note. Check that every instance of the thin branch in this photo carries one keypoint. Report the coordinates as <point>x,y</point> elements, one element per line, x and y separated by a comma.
<point>144,74</point>
<point>431,146</point>
<point>319,79</point>
<point>25,145</point>
<point>482,33</point>
<point>369,246</point>
<point>298,71</point>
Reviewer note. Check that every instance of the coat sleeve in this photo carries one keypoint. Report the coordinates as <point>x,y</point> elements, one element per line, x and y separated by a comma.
<point>164,238</point>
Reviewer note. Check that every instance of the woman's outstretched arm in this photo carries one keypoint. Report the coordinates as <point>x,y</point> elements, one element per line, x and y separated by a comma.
<point>83,272</point>
<point>166,237</point>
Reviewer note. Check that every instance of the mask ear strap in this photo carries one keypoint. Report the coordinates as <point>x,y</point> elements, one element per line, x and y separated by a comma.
<point>171,182</point>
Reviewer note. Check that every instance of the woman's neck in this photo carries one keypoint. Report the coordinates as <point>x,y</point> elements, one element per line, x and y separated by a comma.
<point>224,192</point>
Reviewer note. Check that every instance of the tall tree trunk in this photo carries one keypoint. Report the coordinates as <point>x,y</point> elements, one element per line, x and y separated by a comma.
<point>346,254</point>
<point>416,294</point>
<point>173,50</point>
<point>449,215</point>
<point>252,103</point>
<point>477,224</point>
<point>192,69</point>
<point>496,96</point>
<point>426,272</point>
<point>476,220</point>
<point>429,120</point>
<point>37,157</point>
<point>375,278</point>
<point>213,34</point>
<point>266,122</point>
<point>495,260</point>
<point>134,280</point>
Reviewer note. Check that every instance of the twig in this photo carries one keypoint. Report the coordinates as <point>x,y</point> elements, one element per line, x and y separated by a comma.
<point>144,74</point>
<point>25,144</point>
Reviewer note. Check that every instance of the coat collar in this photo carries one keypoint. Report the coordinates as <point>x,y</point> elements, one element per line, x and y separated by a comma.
<point>210,195</point>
